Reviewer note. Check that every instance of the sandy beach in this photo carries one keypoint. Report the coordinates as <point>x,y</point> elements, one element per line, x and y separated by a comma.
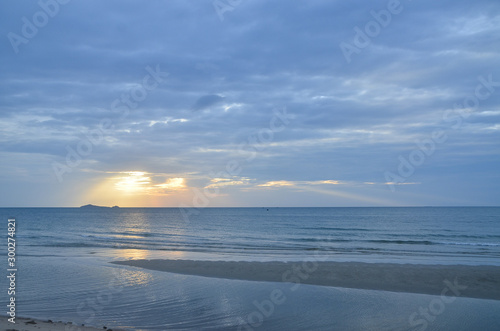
<point>29,324</point>
<point>481,282</point>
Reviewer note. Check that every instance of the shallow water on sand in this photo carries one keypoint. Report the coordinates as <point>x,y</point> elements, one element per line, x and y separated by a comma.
<point>97,293</point>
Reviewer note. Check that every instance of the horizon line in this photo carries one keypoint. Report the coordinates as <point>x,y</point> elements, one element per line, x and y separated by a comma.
<point>213,207</point>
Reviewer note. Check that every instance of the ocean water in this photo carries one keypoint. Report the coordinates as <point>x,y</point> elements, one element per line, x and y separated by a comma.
<point>64,273</point>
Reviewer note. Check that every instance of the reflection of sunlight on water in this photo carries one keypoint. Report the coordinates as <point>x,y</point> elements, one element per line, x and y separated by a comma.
<point>135,277</point>
<point>139,278</point>
<point>134,223</point>
<point>136,254</point>
<point>143,238</point>
<point>126,236</point>
<point>142,254</point>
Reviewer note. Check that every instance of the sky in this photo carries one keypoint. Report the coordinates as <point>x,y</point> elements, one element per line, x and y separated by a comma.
<point>249,103</point>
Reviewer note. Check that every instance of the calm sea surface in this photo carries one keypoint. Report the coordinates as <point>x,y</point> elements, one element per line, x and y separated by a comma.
<point>64,273</point>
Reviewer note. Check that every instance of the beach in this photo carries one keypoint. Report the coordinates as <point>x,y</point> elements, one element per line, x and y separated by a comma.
<point>482,282</point>
<point>28,324</point>
<point>321,269</point>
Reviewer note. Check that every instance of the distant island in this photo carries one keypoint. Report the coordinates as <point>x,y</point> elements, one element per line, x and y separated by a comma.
<point>89,206</point>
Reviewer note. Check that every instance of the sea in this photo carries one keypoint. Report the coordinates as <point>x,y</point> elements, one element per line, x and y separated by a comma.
<point>63,270</point>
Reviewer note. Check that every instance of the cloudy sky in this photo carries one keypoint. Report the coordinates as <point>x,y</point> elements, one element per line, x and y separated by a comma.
<point>250,103</point>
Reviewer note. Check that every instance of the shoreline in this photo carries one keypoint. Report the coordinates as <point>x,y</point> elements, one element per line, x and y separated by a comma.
<point>31,324</point>
<point>480,282</point>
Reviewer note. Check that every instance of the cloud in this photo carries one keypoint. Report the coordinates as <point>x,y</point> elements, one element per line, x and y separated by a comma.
<point>207,101</point>
<point>281,183</point>
<point>351,122</point>
<point>277,183</point>
<point>223,182</point>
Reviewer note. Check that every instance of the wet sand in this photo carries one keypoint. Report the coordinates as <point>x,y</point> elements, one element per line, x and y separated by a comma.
<point>481,282</point>
<point>29,324</point>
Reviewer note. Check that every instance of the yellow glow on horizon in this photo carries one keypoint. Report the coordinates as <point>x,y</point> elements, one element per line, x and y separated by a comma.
<point>137,189</point>
<point>141,182</point>
<point>312,186</point>
<point>351,196</point>
<point>172,183</point>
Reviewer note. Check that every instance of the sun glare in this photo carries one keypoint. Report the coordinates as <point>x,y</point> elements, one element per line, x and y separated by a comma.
<point>137,188</point>
<point>136,181</point>
<point>173,183</point>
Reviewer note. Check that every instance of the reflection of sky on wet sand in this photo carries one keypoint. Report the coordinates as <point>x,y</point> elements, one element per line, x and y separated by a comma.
<point>135,277</point>
<point>154,300</point>
<point>183,302</point>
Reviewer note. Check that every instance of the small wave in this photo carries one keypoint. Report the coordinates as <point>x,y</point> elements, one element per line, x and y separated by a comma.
<point>319,240</point>
<point>98,237</point>
<point>118,235</point>
<point>138,234</point>
<point>427,242</point>
<point>92,245</point>
<point>470,244</point>
<point>66,245</point>
<point>27,236</point>
<point>337,229</point>
<point>403,242</point>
